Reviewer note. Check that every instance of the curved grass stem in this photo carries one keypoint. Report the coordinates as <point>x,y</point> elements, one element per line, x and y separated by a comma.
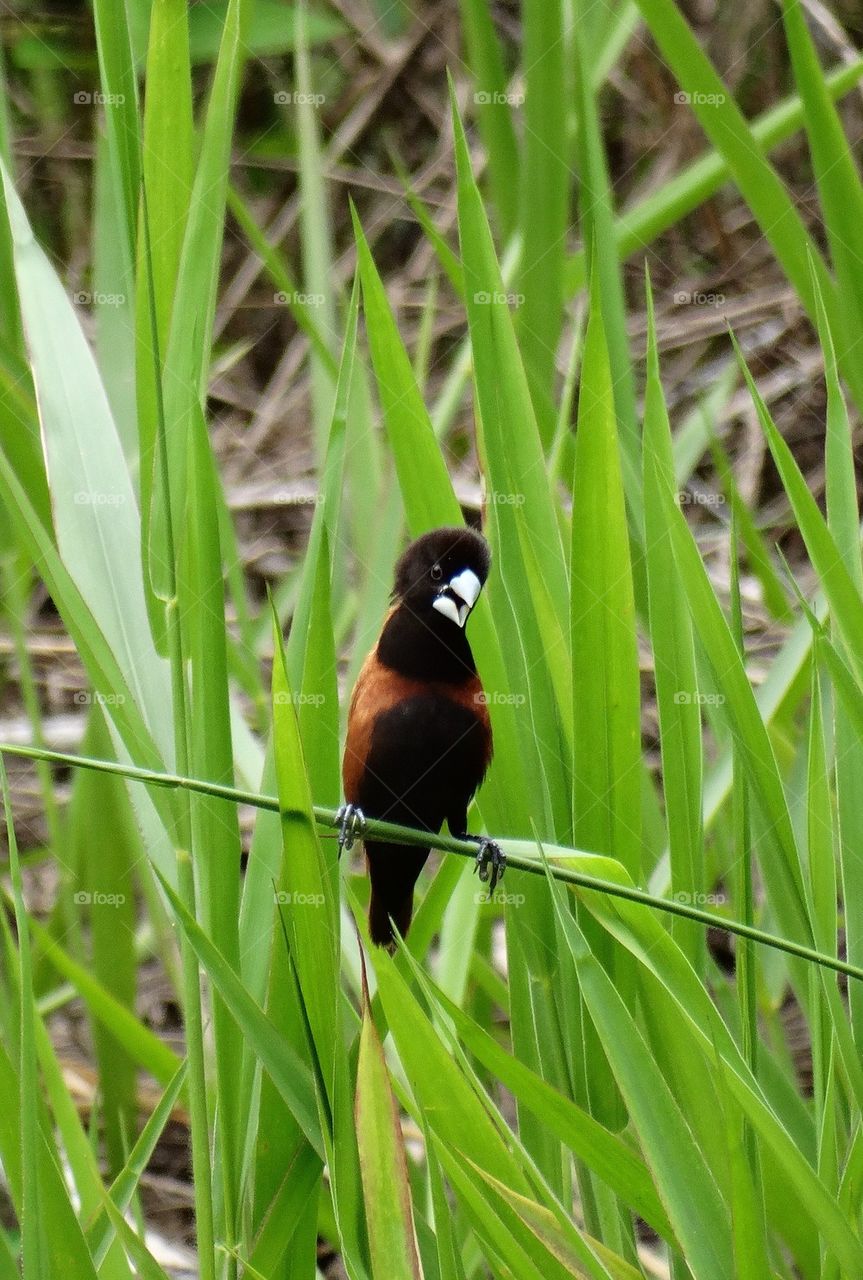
<point>395,834</point>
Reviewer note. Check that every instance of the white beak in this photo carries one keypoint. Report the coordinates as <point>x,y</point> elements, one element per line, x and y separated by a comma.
<point>466,586</point>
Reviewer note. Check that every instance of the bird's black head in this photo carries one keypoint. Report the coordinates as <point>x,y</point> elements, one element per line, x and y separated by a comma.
<point>438,581</point>
<point>443,570</point>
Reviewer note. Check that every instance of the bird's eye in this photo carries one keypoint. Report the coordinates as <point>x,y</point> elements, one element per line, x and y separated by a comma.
<point>436,573</point>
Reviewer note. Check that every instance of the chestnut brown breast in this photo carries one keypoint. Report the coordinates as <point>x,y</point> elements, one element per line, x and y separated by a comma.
<point>377,690</point>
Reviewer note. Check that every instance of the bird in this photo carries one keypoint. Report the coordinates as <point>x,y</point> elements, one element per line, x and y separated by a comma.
<point>419,737</point>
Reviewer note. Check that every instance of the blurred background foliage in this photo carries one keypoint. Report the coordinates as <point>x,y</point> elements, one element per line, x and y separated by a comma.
<point>358,301</point>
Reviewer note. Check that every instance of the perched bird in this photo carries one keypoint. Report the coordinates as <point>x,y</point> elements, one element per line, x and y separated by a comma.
<point>419,736</point>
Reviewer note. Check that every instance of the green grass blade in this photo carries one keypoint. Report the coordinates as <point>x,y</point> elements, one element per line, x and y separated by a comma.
<point>756,549</point>
<point>546,1229</point>
<point>106,845</point>
<point>515,1226</point>
<point>791,1174</point>
<point>94,507</point>
<point>85,1181</point>
<point>596,203</point>
<point>821,883</point>
<point>383,1164</point>
<point>743,714</point>
<point>99,1232</point>
<point>113,306</point>
<point>523,519</point>
<point>316,234</point>
<point>450,264</point>
<point>501,385</point>
<point>638,226</point>
<point>836,174</point>
<point>689,1193</point>
<point>270,29</point>
<point>95,651</point>
<point>606,795</point>
<point>454,1111</point>
<point>263,870</point>
<point>143,1045</point>
<point>843,521</point>
<point>289,292</point>
<point>215,829</point>
<point>308,903</point>
<point>33,1244</point>
<point>543,223</point>
<point>604,1152</point>
<point>747,1210</point>
<point>759,184</point>
<point>292,1213</point>
<point>278,1057</point>
<point>605,658</point>
<point>64,1250</point>
<point>843,595</point>
<point>449,1254</point>
<point>494,116</point>
<point>674,664</point>
<point>309,876</point>
<point>744,888</point>
<point>187,355</point>
<point>146,1266</point>
<point>843,513</point>
<point>415,450</point>
<point>167,167</point>
<point>120,87</point>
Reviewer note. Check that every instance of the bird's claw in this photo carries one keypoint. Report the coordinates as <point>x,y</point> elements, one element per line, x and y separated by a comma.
<point>352,825</point>
<point>490,863</point>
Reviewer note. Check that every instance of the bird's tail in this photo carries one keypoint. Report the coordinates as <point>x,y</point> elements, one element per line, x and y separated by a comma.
<point>382,917</point>
<point>393,871</point>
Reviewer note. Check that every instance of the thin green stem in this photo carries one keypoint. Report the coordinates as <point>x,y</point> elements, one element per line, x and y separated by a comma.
<point>32,1244</point>
<point>194,1024</point>
<point>744,894</point>
<point>392,833</point>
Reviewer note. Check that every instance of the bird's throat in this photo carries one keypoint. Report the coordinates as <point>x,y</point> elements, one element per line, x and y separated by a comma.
<point>425,646</point>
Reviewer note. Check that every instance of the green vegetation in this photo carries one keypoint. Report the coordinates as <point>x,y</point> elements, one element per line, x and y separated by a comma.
<point>564,1081</point>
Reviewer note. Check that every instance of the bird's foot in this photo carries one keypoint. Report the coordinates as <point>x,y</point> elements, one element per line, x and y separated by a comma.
<point>352,826</point>
<point>490,861</point>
